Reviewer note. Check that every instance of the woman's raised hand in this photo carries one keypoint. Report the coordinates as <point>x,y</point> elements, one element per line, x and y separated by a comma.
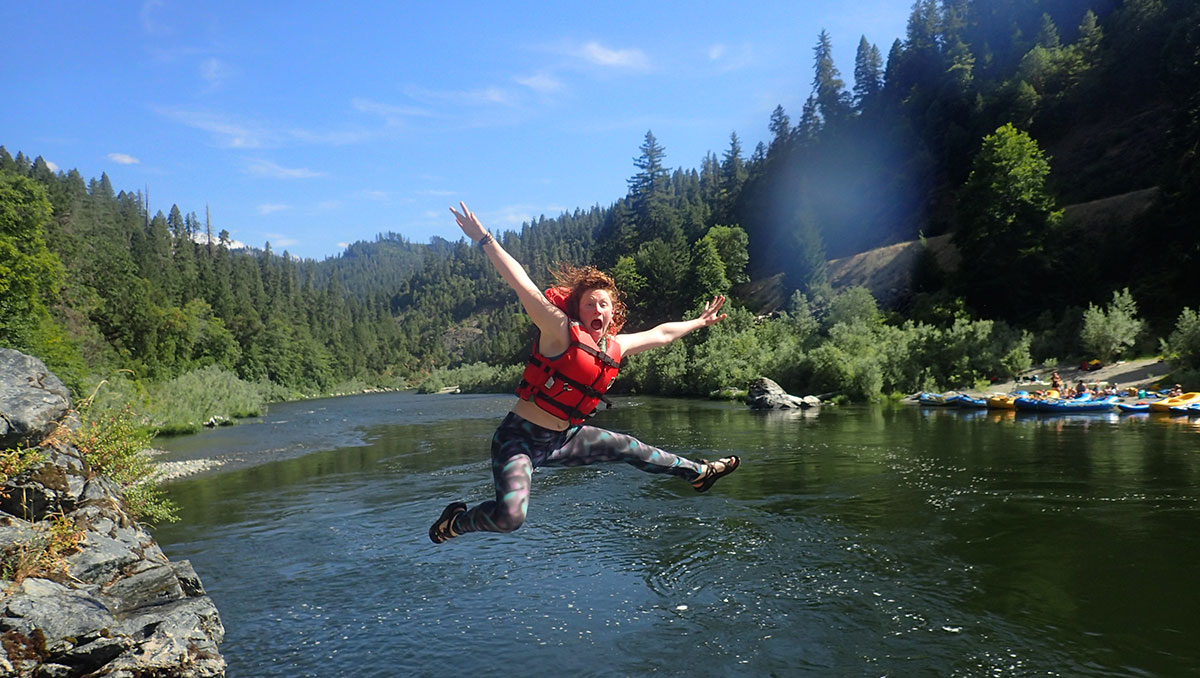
<point>469,223</point>
<point>709,316</point>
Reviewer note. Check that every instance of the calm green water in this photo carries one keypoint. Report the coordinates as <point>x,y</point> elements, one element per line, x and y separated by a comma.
<point>876,541</point>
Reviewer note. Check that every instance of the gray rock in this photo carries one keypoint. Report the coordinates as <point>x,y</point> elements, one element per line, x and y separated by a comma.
<point>153,586</point>
<point>89,657</point>
<point>32,400</point>
<point>103,560</point>
<point>61,613</point>
<point>765,394</point>
<point>54,671</point>
<point>180,636</point>
<point>37,493</point>
<point>121,608</point>
<point>13,530</point>
<point>188,578</point>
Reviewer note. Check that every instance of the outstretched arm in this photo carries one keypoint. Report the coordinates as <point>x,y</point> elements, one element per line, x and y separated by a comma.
<point>668,332</point>
<point>549,318</point>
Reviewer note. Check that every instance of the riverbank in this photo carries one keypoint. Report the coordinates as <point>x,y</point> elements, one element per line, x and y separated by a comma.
<point>1141,373</point>
<point>84,587</point>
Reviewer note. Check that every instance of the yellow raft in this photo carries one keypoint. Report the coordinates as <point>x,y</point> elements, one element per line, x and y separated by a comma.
<point>1166,404</point>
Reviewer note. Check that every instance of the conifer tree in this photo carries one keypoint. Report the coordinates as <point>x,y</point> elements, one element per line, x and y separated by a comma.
<point>781,130</point>
<point>829,91</point>
<point>868,73</point>
<point>733,175</point>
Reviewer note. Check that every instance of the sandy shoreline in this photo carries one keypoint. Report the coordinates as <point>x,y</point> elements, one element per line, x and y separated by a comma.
<point>1147,373</point>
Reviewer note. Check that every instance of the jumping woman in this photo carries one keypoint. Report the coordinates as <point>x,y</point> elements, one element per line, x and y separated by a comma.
<point>576,355</point>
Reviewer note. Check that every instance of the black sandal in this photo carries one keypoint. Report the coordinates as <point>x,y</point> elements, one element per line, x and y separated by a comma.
<point>443,529</point>
<point>714,470</point>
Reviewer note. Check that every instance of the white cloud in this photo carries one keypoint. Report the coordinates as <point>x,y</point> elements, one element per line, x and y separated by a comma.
<point>227,133</point>
<point>215,72</point>
<point>52,166</point>
<point>730,59</point>
<point>202,238</point>
<point>230,133</point>
<point>332,137</point>
<point>279,241</point>
<point>437,193</point>
<point>389,112</point>
<point>543,83</point>
<point>374,194</point>
<point>632,58</point>
<point>266,168</point>
<point>473,97</point>
<point>329,204</point>
<point>150,22</point>
<point>270,208</point>
<point>343,245</point>
<point>123,159</point>
<point>515,215</point>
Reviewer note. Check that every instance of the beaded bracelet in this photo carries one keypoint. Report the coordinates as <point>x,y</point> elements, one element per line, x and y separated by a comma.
<point>487,238</point>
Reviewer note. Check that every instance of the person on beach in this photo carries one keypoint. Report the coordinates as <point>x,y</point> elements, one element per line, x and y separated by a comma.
<point>576,355</point>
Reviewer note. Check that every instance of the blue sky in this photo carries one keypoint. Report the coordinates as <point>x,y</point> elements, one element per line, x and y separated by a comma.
<point>314,125</point>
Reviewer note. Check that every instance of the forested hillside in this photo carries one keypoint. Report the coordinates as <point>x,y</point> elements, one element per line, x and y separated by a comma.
<point>982,123</point>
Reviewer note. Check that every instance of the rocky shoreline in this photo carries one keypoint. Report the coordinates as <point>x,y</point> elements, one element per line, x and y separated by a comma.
<point>111,603</point>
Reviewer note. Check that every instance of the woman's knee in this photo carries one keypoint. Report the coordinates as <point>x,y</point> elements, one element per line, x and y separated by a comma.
<point>509,521</point>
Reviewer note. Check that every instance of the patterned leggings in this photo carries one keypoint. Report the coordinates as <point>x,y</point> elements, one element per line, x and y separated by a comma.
<point>520,446</point>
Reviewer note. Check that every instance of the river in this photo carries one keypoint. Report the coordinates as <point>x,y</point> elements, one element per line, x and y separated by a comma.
<point>856,541</point>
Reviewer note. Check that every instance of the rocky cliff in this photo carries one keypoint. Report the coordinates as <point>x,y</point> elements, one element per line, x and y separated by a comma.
<point>84,589</point>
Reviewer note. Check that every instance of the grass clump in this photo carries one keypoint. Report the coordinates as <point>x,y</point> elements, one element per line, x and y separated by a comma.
<point>42,554</point>
<point>474,378</point>
<point>16,461</point>
<point>185,403</point>
<point>112,443</point>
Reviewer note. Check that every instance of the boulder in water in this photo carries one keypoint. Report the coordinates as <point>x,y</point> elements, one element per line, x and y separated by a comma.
<point>765,394</point>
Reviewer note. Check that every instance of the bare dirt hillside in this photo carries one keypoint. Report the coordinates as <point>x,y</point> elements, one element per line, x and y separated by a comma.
<point>887,271</point>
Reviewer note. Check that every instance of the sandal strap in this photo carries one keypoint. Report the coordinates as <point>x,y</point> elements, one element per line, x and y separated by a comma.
<point>714,470</point>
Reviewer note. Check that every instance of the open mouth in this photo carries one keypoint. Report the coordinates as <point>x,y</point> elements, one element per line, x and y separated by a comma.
<point>597,324</point>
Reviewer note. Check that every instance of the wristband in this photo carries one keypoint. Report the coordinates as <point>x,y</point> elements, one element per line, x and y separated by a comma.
<point>487,238</point>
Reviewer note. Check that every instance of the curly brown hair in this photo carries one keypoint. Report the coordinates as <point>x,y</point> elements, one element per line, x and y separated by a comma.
<point>583,279</point>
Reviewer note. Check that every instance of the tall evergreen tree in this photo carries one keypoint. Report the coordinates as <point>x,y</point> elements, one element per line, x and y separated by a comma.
<point>648,190</point>
<point>829,91</point>
<point>1047,35</point>
<point>781,130</point>
<point>733,175</point>
<point>868,73</point>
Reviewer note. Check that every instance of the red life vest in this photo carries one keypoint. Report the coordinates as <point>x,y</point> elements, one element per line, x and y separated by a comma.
<point>571,385</point>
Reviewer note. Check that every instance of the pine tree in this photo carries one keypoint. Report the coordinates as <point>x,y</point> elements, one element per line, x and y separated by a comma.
<point>781,130</point>
<point>648,190</point>
<point>733,175</point>
<point>829,92</point>
<point>1047,35</point>
<point>1090,37</point>
<point>868,73</point>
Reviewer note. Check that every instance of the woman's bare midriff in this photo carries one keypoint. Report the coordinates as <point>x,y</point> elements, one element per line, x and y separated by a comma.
<point>532,413</point>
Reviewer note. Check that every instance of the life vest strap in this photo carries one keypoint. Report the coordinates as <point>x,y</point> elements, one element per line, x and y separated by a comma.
<point>573,413</point>
<point>599,355</point>
<point>586,389</point>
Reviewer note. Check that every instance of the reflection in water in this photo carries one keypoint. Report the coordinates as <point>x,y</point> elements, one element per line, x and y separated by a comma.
<point>852,541</point>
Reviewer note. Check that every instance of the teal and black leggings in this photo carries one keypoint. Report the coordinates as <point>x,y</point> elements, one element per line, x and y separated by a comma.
<point>519,446</point>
